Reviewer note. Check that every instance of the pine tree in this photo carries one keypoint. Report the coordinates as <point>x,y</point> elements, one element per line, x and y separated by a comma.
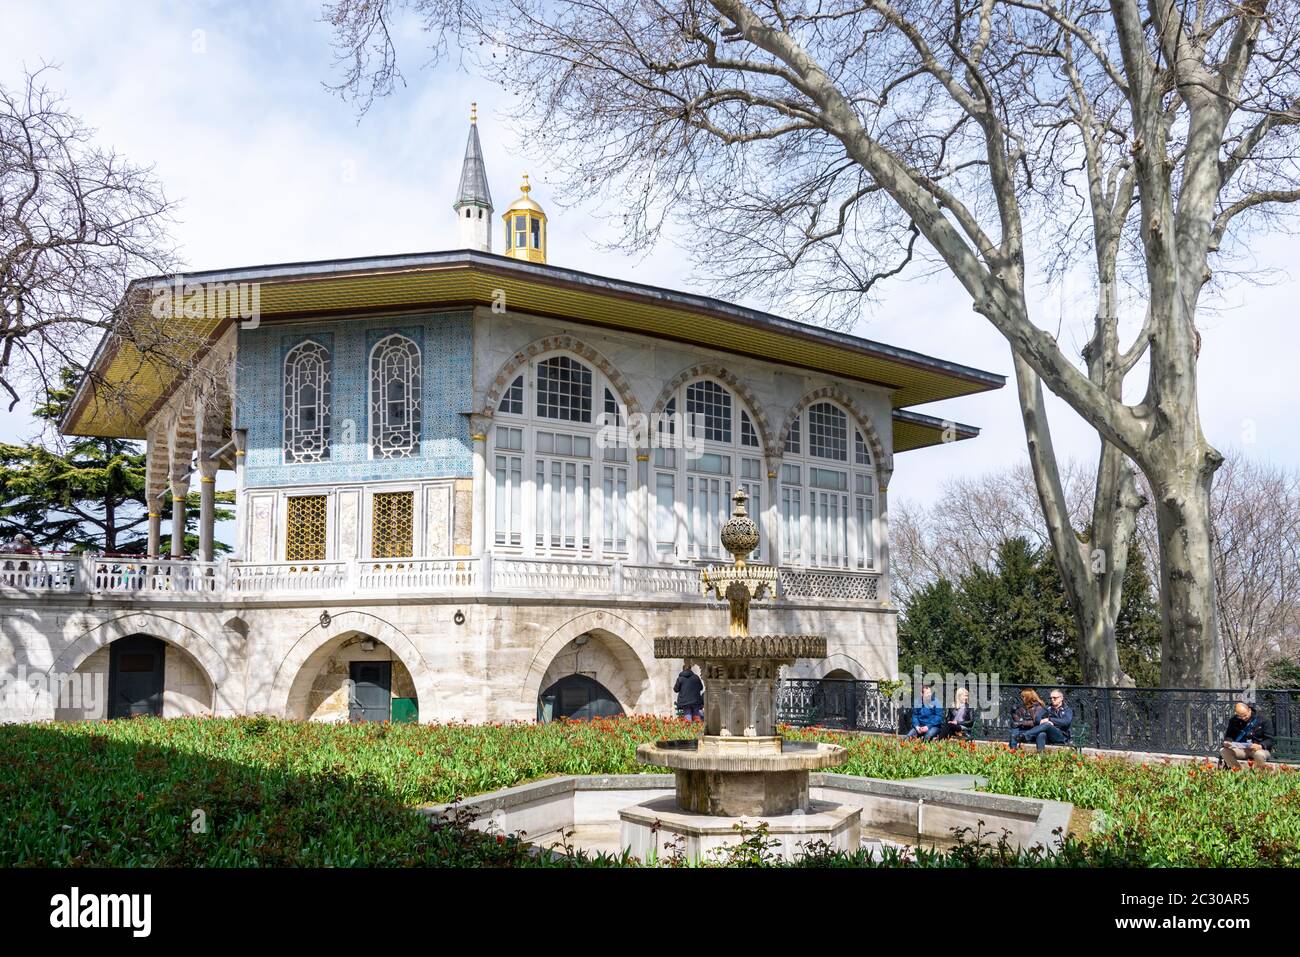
<point>1012,619</point>
<point>88,493</point>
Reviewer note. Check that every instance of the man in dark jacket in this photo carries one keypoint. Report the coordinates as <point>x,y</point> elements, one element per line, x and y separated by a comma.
<point>1054,726</point>
<point>1248,737</point>
<point>690,694</point>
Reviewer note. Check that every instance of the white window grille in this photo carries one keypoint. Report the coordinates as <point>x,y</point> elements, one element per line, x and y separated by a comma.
<point>563,390</point>
<point>307,388</point>
<point>828,430</point>
<point>395,380</point>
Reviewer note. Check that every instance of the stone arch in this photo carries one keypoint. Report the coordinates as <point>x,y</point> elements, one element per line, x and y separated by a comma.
<point>713,370</point>
<point>205,654</point>
<point>634,650</point>
<point>560,343</point>
<point>882,463</point>
<point>841,662</point>
<point>315,645</point>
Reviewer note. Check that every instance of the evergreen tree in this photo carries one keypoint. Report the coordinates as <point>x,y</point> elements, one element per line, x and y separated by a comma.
<point>88,494</point>
<point>1012,619</point>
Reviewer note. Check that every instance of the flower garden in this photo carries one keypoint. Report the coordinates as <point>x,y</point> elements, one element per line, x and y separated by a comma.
<point>281,793</point>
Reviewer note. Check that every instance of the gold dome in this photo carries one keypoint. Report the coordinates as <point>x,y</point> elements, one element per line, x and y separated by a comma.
<point>525,226</point>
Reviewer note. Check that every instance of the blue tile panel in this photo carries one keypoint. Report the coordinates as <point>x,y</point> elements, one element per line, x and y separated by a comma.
<point>446,348</point>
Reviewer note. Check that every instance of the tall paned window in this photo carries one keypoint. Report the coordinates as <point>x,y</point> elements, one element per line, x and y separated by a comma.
<point>827,509</point>
<point>395,382</point>
<point>561,483</point>
<point>307,387</point>
<point>705,455</point>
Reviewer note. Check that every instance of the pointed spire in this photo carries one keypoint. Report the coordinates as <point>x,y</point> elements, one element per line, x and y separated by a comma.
<point>473,175</point>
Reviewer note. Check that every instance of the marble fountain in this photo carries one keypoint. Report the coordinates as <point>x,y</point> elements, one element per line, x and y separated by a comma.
<point>740,773</point>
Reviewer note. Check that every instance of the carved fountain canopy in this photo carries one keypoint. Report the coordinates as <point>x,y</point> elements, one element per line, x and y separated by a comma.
<point>722,647</point>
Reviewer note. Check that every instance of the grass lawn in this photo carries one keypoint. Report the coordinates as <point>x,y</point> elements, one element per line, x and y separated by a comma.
<point>277,793</point>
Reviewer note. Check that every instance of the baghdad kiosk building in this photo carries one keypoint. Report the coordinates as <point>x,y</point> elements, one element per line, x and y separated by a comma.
<point>471,486</point>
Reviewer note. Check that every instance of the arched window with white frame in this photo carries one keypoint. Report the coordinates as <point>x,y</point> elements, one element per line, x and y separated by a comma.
<point>396,376</point>
<point>561,482</point>
<point>827,492</point>
<point>307,389</point>
<point>707,446</point>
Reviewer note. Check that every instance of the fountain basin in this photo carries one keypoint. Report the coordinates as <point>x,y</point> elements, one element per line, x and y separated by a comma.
<point>734,776</point>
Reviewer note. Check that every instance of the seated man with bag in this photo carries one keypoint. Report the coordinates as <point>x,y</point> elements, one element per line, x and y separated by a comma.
<point>1248,737</point>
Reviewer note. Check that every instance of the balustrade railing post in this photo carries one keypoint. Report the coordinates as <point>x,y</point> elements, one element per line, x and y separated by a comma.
<point>351,576</point>
<point>486,573</point>
<point>616,577</point>
<point>85,574</point>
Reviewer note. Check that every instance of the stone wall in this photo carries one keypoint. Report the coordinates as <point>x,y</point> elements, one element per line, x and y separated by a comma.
<point>268,656</point>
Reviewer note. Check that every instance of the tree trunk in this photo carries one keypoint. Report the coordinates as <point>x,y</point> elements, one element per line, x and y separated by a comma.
<point>1092,576</point>
<point>1191,653</point>
<point>110,523</point>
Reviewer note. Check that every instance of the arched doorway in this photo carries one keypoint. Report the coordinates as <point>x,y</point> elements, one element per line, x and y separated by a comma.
<point>354,677</point>
<point>595,674</point>
<point>835,700</point>
<point>578,698</point>
<point>137,674</point>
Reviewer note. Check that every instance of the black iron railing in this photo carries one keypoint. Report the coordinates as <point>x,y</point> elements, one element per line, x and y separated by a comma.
<point>1159,720</point>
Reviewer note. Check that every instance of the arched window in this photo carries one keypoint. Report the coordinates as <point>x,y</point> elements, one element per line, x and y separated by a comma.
<point>827,497</point>
<point>307,387</point>
<point>699,462</point>
<point>395,378</point>
<point>560,471</point>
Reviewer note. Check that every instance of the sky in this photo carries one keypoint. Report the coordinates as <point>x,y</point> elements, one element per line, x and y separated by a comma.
<point>228,102</point>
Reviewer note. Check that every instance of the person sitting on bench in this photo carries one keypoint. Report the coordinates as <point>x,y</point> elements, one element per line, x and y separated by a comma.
<point>927,717</point>
<point>960,717</point>
<point>1054,726</point>
<point>1248,737</point>
<point>1026,718</point>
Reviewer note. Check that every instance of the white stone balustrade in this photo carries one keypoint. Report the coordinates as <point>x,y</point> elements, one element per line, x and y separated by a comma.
<point>23,575</point>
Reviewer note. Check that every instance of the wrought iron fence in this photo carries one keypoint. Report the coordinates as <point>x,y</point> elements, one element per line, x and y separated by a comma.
<point>1159,720</point>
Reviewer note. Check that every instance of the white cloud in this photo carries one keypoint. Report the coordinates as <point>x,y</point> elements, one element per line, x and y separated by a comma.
<point>271,167</point>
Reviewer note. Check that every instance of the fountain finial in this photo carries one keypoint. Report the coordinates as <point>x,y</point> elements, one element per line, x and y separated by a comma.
<point>740,533</point>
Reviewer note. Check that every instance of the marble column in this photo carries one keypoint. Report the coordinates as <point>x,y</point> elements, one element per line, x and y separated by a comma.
<point>179,490</point>
<point>155,527</point>
<point>478,530</point>
<point>207,508</point>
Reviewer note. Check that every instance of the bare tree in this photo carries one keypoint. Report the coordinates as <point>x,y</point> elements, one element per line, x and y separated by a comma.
<point>971,517</point>
<point>809,143</point>
<point>77,224</point>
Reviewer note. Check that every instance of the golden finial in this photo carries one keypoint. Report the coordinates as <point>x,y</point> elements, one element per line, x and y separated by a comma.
<point>473,112</point>
<point>525,188</point>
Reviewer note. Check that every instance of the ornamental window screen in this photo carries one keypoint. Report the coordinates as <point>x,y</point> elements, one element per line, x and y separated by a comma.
<point>392,516</point>
<point>512,403</point>
<point>395,380</point>
<point>563,390</point>
<point>828,432</point>
<point>709,405</point>
<point>305,521</point>
<point>307,388</point>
